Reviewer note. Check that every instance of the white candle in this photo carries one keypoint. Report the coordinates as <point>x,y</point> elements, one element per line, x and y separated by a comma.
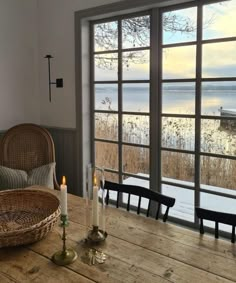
<point>63,188</point>
<point>95,204</point>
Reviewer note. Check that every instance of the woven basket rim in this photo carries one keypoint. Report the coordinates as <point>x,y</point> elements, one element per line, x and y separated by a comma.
<point>38,225</point>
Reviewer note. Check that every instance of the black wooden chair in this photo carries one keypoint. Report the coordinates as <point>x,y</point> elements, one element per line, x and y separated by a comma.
<point>141,192</point>
<point>217,217</point>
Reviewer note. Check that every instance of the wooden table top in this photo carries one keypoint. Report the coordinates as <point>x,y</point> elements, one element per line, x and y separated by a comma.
<point>138,249</point>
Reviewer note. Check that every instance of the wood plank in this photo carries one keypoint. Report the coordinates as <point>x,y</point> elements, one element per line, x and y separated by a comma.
<point>172,232</point>
<point>124,226</point>
<point>114,270</point>
<point>164,239</point>
<point>6,278</point>
<point>122,253</point>
<point>22,265</point>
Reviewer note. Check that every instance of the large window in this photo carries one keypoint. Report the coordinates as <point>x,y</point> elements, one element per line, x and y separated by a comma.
<point>164,92</point>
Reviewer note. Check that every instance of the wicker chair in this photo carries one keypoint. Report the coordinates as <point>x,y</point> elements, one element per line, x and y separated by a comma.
<point>27,146</point>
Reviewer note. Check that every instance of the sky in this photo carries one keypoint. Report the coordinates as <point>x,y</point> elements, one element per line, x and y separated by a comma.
<point>219,59</point>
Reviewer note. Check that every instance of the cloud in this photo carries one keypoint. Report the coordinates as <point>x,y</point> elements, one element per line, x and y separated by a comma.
<point>222,19</point>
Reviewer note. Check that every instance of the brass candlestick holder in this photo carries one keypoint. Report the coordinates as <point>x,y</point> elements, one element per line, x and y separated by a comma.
<point>66,256</point>
<point>95,235</point>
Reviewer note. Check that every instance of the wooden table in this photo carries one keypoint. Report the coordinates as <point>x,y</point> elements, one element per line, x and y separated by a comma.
<point>138,249</point>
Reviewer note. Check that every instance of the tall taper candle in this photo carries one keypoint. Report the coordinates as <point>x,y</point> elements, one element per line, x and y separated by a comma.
<point>63,188</point>
<point>95,203</point>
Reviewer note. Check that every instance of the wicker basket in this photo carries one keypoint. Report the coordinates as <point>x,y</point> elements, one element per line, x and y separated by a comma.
<point>26,216</point>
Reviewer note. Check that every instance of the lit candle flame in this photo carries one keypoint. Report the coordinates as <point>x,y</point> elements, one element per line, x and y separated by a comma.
<point>94,180</point>
<point>63,180</point>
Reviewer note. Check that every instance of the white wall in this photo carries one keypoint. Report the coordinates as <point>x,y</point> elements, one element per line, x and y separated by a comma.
<point>56,37</point>
<point>19,100</point>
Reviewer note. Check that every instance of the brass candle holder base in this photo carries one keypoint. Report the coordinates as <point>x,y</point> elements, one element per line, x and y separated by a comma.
<point>65,256</point>
<point>95,235</point>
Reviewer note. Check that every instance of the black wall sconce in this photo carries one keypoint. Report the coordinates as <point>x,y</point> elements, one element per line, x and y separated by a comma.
<point>58,82</point>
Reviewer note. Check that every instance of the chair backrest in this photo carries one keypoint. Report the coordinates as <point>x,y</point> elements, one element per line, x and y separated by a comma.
<point>141,192</point>
<point>27,146</point>
<point>217,217</point>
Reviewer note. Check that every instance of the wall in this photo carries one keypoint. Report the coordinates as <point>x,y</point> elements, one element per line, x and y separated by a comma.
<point>19,101</point>
<point>56,37</point>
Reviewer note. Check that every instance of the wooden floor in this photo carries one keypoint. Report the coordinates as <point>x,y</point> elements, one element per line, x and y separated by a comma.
<point>139,249</point>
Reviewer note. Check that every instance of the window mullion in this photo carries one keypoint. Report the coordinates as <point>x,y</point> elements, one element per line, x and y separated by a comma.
<point>155,100</point>
<point>198,109</point>
<point>120,75</point>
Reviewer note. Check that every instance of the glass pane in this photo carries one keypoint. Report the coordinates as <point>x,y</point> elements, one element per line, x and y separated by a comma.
<point>178,98</point>
<point>106,67</point>
<point>179,62</point>
<point>219,98</point>
<point>106,126</point>
<point>218,136</point>
<point>135,160</point>
<point>177,167</point>
<point>136,32</point>
<point>106,36</point>
<point>179,25</point>
<point>136,65</point>
<point>137,182</point>
<point>106,97</point>
<point>136,129</point>
<point>219,20</point>
<point>217,203</point>
<point>178,133</point>
<point>106,155</point>
<point>136,97</point>
<point>219,59</point>
<point>184,202</point>
<point>218,173</point>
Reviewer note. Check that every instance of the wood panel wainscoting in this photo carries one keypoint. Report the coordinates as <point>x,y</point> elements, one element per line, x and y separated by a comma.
<point>65,150</point>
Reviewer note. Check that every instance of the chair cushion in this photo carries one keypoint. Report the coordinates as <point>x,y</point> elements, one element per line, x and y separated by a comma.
<point>14,178</point>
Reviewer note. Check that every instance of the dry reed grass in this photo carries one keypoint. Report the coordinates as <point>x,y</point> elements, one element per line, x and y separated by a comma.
<point>177,133</point>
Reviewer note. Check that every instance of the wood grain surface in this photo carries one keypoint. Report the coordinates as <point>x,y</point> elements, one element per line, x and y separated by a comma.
<point>138,249</point>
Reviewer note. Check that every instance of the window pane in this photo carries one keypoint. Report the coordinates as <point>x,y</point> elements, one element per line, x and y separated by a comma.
<point>218,136</point>
<point>106,155</point>
<point>106,67</point>
<point>136,97</point>
<point>184,202</point>
<point>136,32</point>
<point>219,98</point>
<point>136,129</point>
<point>135,160</point>
<point>219,59</point>
<point>179,62</point>
<point>179,25</point>
<point>106,126</point>
<point>106,36</point>
<point>178,98</point>
<point>218,172</point>
<point>177,166</point>
<point>137,182</point>
<point>219,20</point>
<point>106,97</point>
<point>178,133</point>
<point>217,203</point>
<point>136,65</point>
